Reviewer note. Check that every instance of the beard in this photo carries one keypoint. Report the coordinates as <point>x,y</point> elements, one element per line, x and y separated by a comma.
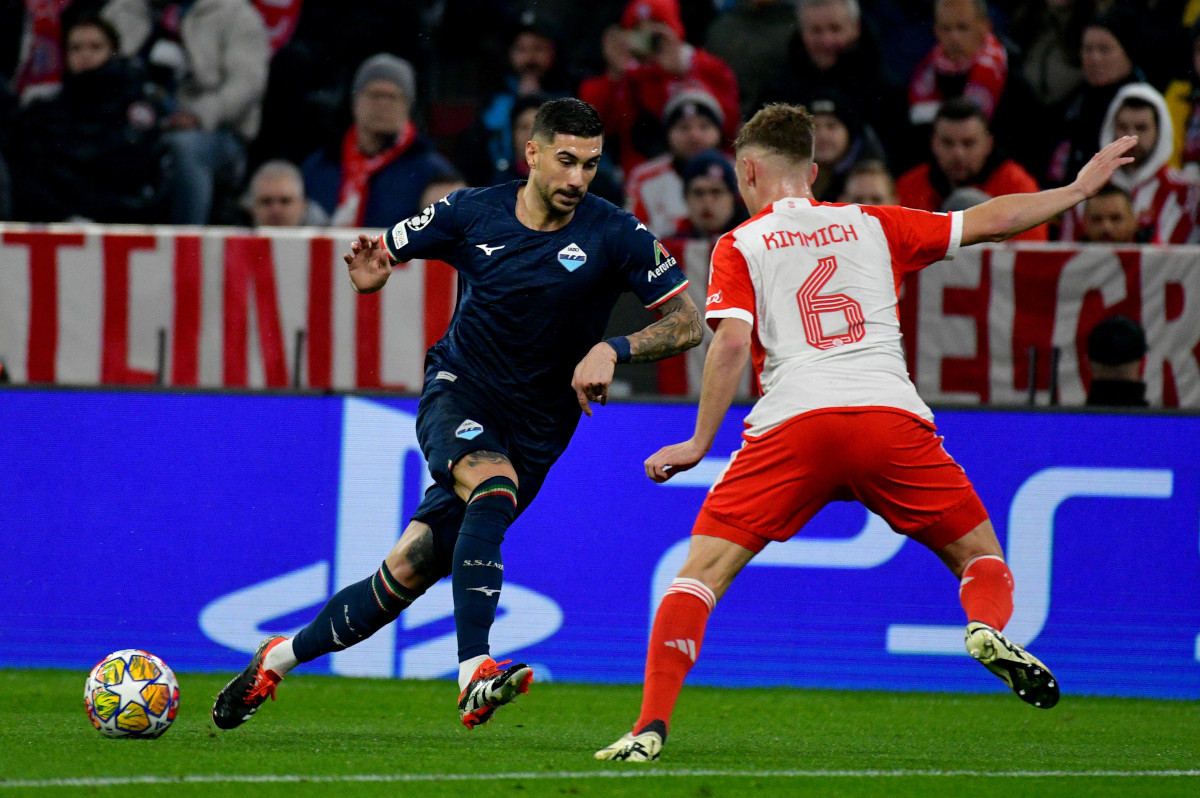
<point>548,195</point>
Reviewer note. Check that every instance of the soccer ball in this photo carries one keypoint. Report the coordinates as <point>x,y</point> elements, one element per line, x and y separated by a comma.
<point>131,693</point>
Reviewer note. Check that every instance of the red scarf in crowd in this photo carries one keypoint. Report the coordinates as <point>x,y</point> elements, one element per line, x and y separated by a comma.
<point>41,67</point>
<point>357,171</point>
<point>986,72</point>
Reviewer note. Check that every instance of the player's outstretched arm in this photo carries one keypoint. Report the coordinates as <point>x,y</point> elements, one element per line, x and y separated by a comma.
<point>1004,217</point>
<point>723,368</point>
<point>369,264</point>
<point>679,329</point>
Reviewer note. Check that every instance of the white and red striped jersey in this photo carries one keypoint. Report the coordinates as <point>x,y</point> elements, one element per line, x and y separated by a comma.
<point>654,194</point>
<point>819,282</point>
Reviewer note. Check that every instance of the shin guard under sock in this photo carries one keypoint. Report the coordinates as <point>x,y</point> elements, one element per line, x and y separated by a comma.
<point>674,646</point>
<point>477,573</point>
<point>986,591</point>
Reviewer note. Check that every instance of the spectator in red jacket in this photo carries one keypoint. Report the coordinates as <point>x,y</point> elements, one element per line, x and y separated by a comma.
<point>964,155</point>
<point>646,59</point>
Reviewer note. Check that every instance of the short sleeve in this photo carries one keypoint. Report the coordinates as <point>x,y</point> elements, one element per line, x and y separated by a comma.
<point>918,238</point>
<point>650,270</point>
<point>730,289</point>
<point>432,233</point>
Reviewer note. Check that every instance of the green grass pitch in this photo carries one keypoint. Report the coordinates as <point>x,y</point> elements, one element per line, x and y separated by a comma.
<point>362,737</point>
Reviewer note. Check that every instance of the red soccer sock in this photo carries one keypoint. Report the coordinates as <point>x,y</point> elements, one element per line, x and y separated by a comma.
<point>986,591</point>
<point>674,645</point>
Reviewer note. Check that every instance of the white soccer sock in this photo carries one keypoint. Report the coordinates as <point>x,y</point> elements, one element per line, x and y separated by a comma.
<point>467,668</point>
<point>280,659</point>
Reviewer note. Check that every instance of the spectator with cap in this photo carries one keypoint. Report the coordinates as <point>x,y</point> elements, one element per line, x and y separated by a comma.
<point>869,183</point>
<point>840,140</point>
<point>964,155</point>
<point>1109,56</point>
<point>654,189</point>
<point>646,61</point>
<point>1116,348</point>
<point>209,58</point>
<point>534,69</point>
<point>1108,217</point>
<point>92,150</point>
<point>276,198</point>
<point>376,173</point>
<point>711,194</point>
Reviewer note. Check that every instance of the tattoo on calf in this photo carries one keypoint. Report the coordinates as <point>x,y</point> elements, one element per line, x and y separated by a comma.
<point>421,556</point>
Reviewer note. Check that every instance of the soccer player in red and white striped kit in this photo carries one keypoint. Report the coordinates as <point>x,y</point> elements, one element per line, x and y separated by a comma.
<point>808,291</point>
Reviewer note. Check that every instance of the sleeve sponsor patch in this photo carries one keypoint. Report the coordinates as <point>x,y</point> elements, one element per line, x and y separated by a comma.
<point>399,237</point>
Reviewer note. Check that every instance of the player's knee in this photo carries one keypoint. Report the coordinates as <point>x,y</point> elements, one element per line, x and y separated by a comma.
<point>413,562</point>
<point>477,467</point>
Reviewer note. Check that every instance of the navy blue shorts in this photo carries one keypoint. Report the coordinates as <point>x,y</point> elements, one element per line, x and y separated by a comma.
<point>453,420</point>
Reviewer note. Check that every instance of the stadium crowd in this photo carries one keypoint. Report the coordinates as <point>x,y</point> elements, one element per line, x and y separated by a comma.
<point>217,111</point>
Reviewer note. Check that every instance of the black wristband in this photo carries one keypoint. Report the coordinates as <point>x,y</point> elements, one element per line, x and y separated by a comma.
<point>621,344</point>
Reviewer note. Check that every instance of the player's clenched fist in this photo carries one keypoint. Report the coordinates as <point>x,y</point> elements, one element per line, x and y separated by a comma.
<point>369,264</point>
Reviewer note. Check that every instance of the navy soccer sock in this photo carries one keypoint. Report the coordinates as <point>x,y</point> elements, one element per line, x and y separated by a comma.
<point>354,613</point>
<point>478,571</point>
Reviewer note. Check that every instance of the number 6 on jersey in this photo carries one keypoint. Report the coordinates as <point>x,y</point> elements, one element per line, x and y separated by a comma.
<point>812,305</point>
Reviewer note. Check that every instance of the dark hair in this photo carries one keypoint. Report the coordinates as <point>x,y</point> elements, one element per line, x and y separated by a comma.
<point>1138,104</point>
<point>568,117</point>
<point>1113,190</point>
<point>94,21</point>
<point>786,130</point>
<point>523,103</point>
<point>959,109</point>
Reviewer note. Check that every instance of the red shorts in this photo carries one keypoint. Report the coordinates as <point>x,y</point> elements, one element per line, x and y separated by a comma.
<point>890,461</point>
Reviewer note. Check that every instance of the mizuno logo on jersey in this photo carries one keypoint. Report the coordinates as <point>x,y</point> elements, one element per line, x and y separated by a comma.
<point>468,430</point>
<point>489,250</point>
<point>572,257</point>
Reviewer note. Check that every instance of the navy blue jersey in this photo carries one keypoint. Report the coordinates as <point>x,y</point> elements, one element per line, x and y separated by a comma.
<point>533,303</point>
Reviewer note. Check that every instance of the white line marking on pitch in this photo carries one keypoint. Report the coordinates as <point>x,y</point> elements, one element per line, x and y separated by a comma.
<point>216,778</point>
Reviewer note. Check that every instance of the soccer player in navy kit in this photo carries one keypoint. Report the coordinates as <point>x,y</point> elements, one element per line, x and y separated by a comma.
<point>542,264</point>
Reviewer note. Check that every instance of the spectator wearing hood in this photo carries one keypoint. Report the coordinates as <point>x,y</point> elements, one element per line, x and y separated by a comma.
<point>91,151</point>
<point>1164,201</point>
<point>654,189</point>
<point>1109,55</point>
<point>840,140</point>
<point>964,155</point>
<point>375,174</point>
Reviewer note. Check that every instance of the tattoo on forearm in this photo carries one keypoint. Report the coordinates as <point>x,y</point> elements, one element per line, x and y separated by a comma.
<point>678,330</point>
